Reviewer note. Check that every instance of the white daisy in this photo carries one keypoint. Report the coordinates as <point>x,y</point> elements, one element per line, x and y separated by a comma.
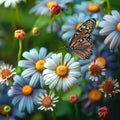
<point>6,72</point>
<point>61,72</point>
<point>96,70</point>
<point>111,29</point>
<point>47,102</point>
<point>11,3</point>
<point>109,87</point>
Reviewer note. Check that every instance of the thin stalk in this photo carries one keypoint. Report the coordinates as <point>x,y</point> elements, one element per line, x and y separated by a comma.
<point>76,111</point>
<point>54,115</point>
<point>20,50</point>
<point>7,116</point>
<point>108,6</point>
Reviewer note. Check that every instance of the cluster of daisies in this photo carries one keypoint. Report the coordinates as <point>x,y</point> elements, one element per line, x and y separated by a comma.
<point>43,75</point>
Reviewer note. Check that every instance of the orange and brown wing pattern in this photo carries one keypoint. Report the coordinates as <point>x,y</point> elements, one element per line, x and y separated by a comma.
<point>83,49</point>
<point>81,41</point>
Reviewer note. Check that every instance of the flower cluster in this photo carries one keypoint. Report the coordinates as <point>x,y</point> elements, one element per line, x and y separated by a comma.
<point>39,74</point>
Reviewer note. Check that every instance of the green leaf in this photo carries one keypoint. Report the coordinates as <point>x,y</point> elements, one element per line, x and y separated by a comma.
<point>42,21</point>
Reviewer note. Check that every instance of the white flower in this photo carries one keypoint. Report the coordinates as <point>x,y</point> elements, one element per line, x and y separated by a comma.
<point>61,72</point>
<point>47,102</point>
<point>109,87</point>
<point>11,3</point>
<point>96,70</point>
<point>111,28</point>
<point>6,72</point>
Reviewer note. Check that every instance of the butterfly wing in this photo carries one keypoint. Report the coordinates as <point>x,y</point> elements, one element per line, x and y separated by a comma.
<point>83,49</point>
<point>81,41</point>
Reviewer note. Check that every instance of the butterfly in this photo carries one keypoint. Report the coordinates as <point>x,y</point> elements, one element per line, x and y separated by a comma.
<point>81,43</point>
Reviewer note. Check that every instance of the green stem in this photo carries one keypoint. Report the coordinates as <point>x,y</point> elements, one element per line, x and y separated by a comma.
<point>108,6</point>
<point>54,115</point>
<point>7,116</point>
<point>18,15</point>
<point>76,111</point>
<point>20,49</point>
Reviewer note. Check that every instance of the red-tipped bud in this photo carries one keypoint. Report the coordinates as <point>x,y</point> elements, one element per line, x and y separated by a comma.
<point>55,9</point>
<point>73,98</point>
<point>19,34</point>
<point>103,112</point>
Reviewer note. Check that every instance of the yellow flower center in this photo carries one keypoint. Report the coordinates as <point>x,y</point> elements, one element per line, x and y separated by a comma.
<point>93,8</point>
<point>49,4</point>
<point>108,86</point>
<point>39,65</point>
<point>95,69</point>
<point>27,90</point>
<point>5,73</point>
<point>102,61</point>
<point>62,70</point>
<point>95,96</point>
<point>78,26</point>
<point>47,101</point>
<point>118,26</point>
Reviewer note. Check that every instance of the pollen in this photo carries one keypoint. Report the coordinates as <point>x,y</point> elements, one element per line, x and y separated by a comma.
<point>6,73</point>
<point>27,90</point>
<point>118,26</point>
<point>47,101</point>
<point>102,61</point>
<point>39,65</point>
<point>95,69</point>
<point>95,96</point>
<point>49,4</point>
<point>94,8</point>
<point>78,26</point>
<point>62,70</point>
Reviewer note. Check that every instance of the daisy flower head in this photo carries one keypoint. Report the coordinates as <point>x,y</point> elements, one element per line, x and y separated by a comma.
<point>102,56</point>
<point>90,8</point>
<point>6,72</point>
<point>6,107</point>
<point>44,7</point>
<point>111,28</point>
<point>92,98</point>
<point>61,72</point>
<point>95,70</point>
<point>71,25</point>
<point>24,93</point>
<point>11,3</point>
<point>47,101</point>
<point>109,87</point>
<point>34,64</point>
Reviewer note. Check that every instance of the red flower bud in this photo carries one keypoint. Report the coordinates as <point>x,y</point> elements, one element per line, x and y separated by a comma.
<point>73,98</point>
<point>103,112</point>
<point>19,34</point>
<point>55,9</point>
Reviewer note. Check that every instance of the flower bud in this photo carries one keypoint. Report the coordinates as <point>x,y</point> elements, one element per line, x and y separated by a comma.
<point>55,9</point>
<point>35,31</point>
<point>103,112</point>
<point>73,98</point>
<point>19,34</point>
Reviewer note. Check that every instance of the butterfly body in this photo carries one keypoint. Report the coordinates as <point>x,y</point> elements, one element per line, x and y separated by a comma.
<point>81,41</point>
